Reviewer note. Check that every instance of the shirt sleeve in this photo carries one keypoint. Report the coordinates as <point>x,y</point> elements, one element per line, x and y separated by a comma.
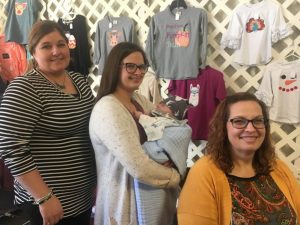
<point>203,47</point>
<point>36,6</point>
<point>280,29</point>
<point>265,90</point>
<point>150,44</point>
<point>293,185</point>
<point>197,200</point>
<point>133,37</point>
<point>154,89</point>
<point>20,110</point>
<point>97,47</point>
<point>221,88</point>
<point>7,7</point>
<point>233,35</point>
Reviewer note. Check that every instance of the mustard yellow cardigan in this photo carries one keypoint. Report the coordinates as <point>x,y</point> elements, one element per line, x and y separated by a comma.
<point>206,198</point>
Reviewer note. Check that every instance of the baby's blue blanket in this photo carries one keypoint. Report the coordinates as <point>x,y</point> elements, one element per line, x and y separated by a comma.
<point>157,206</point>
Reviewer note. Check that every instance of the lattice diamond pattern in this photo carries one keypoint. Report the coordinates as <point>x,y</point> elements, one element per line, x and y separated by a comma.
<point>237,78</point>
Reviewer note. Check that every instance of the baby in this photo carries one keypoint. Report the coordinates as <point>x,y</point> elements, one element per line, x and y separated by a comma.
<point>168,140</point>
<point>169,112</point>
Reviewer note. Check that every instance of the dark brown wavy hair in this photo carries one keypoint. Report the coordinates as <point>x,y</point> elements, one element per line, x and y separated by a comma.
<point>218,146</point>
<point>111,72</point>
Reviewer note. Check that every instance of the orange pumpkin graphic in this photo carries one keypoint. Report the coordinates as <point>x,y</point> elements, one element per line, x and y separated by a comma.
<point>182,38</point>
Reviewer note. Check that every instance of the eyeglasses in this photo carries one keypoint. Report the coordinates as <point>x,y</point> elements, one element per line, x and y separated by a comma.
<point>241,123</point>
<point>132,67</point>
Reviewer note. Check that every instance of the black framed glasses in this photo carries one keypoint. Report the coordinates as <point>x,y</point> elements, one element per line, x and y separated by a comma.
<point>132,67</point>
<point>242,123</point>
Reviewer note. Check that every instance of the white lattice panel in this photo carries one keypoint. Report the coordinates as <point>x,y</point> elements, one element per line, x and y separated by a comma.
<point>286,137</point>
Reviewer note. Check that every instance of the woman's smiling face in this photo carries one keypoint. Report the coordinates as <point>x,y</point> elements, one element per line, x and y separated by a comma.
<point>245,141</point>
<point>52,53</point>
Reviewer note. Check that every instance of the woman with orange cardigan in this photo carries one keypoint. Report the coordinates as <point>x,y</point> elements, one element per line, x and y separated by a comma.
<point>240,180</point>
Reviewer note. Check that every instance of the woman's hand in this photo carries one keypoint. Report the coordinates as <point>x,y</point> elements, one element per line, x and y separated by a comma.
<point>168,163</point>
<point>51,211</point>
<point>137,114</point>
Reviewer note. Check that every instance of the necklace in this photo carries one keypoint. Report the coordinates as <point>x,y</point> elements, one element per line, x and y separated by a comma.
<point>61,86</point>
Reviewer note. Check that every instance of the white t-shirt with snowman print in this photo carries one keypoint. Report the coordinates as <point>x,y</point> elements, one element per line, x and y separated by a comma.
<point>280,90</point>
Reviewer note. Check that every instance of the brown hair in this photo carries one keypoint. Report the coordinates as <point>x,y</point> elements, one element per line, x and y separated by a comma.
<point>218,146</point>
<point>111,72</point>
<point>39,30</point>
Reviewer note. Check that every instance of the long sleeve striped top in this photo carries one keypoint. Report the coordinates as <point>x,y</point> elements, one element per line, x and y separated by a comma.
<point>43,128</point>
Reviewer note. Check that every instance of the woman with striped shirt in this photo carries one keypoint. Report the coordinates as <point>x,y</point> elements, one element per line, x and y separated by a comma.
<point>44,137</point>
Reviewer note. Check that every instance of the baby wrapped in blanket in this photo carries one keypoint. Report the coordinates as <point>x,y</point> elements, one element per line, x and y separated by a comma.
<point>168,138</point>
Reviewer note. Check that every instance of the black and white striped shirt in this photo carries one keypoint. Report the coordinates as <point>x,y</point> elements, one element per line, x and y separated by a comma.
<point>43,128</point>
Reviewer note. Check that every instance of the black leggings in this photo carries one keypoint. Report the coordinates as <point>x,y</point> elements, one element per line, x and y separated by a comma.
<point>33,212</point>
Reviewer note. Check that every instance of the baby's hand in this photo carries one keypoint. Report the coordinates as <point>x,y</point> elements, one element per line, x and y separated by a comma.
<point>137,114</point>
<point>168,163</point>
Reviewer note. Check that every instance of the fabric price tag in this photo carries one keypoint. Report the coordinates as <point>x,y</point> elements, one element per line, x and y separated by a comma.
<point>177,15</point>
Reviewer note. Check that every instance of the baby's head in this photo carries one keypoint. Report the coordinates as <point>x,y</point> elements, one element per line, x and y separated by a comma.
<point>164,108</point>
<point>175,106</point>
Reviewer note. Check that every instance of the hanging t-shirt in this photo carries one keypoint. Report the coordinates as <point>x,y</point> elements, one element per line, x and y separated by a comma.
<point>21,15</point>
<point>150,88</point>
<point>177,43</point>
<point>76,33</point>
<point>253,29</point>
<point>109,32</point>
<point>204,93</point>
<point>280,91</point>
<point>12,59</point>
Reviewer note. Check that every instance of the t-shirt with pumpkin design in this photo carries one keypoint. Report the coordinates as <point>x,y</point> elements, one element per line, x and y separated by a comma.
<point>21,15</point>
<point>176,45</point>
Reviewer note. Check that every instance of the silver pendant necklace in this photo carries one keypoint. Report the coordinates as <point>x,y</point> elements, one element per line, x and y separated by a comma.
<point>61,86</point>
<point>58,85</point>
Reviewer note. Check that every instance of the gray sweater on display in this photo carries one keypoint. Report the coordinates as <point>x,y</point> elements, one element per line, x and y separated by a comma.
<point>109,32</point>
<point>177,43</point>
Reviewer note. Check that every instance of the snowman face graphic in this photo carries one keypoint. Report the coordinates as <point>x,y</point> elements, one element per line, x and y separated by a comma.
<point>287,82</point>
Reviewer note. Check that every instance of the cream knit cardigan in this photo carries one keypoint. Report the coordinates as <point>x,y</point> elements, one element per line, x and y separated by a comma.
<point>119,159</point>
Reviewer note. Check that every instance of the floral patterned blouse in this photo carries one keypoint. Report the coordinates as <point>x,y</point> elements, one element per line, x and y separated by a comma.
<point>259,201</point>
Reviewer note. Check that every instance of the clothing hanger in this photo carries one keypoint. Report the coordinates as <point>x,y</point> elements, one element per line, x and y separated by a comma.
<point>70,13</point>
<point>293,55</point>
<point>176,4</point>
